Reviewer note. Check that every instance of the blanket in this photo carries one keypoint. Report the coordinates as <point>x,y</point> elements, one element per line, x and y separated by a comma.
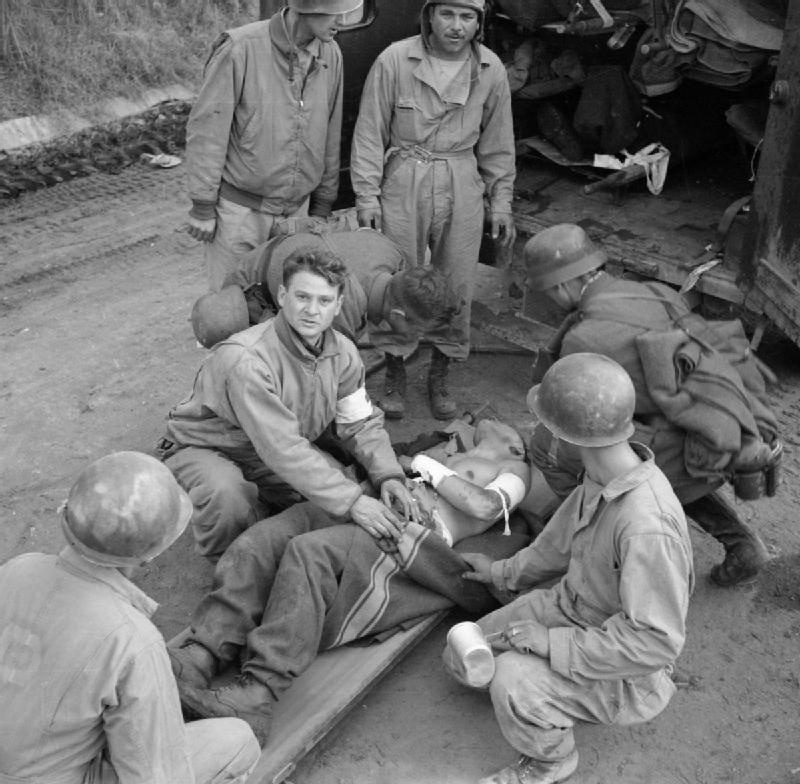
<point>381,591</point>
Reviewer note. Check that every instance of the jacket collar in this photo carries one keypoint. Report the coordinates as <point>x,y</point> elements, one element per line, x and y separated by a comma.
<point>297,346</point>
<point>420,52</point>
<point>71,562</point>
<point>594,494</point>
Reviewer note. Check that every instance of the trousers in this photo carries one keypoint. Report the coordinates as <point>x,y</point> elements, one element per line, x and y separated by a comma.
<point>271,592</point>
<point>222,751</point>
<point>239,230</point>
<point>437,204</point>
<point>536,708</point>
<point>230,492</point>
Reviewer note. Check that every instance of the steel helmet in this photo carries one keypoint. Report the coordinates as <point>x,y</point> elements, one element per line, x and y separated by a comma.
<point>219,314</point>
<point>585,399</point>
<point>334,7</point>
<point>124,509</point>
<point>560,253</point>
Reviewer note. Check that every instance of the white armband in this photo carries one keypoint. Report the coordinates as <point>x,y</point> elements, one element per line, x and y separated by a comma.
<point>354,407</point>
<point>432,471</point>
<point>511,490</point>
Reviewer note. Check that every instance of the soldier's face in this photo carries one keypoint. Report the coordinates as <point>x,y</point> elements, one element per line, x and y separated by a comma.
<point>322,26</point>
<point>452,29</point>
<point>309,304</point>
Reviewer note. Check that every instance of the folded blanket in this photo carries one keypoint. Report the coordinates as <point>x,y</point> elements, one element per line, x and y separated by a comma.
<point>697,389</point>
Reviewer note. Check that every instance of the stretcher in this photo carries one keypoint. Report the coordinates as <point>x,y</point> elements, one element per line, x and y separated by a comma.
<point>324,693</point>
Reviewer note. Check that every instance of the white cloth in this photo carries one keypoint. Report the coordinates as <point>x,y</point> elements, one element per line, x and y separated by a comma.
<point>654,157</point>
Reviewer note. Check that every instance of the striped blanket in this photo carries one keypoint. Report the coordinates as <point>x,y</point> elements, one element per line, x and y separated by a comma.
<point>381,592</point>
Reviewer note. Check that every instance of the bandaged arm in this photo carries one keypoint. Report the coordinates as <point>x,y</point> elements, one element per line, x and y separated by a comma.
<point>497,500</point>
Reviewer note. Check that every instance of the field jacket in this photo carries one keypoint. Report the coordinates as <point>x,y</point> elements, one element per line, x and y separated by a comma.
<point>84,672</point>
<point>264,389</point>
<point>626,559</point>
<point>259,130</point>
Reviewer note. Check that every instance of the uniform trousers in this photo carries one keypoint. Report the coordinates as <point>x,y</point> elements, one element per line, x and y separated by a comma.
<point>222,751</point>
<point>536,707</point>
<point>239,230</point>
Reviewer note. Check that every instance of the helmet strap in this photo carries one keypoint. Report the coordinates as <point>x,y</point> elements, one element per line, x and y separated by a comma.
<point>590,278</point>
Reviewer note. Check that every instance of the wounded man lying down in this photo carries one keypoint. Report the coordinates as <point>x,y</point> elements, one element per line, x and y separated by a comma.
<point>300,582</point>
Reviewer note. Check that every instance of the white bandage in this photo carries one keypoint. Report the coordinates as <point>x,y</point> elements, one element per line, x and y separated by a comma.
<point>354,407</point>
<point>431,471</point>
<point>511,490</point>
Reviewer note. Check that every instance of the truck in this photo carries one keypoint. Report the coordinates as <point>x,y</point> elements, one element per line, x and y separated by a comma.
<point>725,226</point>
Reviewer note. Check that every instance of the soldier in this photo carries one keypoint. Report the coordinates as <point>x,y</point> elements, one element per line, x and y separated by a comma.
<point>262,141</point>
<point>377,290</point>
<point>85,683</point>
<point>433,140</point>
<point>620,318</point>
<point>247,441</point>
<point>600,645</point>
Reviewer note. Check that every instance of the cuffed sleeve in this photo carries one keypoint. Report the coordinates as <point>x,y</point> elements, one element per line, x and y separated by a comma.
<point>495,150</point>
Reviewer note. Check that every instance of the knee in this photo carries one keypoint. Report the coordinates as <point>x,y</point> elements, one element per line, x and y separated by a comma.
<point>517,673</point>
<point>222,512</point>
<point>241,750</point>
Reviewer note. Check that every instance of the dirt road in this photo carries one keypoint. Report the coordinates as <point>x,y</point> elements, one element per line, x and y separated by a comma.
<point>96,286</point>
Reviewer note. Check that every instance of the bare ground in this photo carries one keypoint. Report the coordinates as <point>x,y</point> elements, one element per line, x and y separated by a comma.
<point>96,285</point>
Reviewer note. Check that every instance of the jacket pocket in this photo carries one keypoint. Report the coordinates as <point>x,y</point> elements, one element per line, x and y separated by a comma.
<point>405,112</point>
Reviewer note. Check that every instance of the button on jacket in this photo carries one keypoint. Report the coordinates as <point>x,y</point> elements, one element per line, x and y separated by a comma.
<point>264,389</point>
<point>265,126</point>
<point>82,668</point>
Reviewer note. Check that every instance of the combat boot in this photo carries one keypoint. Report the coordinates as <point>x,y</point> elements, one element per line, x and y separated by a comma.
<point>442,405</point>
<point>193,663</point>
<point>246,698</point>
<point>745,553</point>
<point>394,388</point>
<point>531,771</point>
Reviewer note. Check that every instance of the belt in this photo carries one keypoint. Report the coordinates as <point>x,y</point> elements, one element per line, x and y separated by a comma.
<point>421,154</point>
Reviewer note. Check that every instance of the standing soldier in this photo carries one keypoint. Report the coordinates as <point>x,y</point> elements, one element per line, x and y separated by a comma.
<point>263,137</point>
<point>434,139</point>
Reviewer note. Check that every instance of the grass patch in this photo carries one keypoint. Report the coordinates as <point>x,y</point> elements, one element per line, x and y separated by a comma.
<point>74,54</point>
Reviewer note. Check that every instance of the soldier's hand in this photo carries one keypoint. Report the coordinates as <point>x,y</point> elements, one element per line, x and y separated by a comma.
<point>202,230</point>
<point>372,218</point>
<point>393,491</point>
<point>503,228</point>
<point>528,637</point>
<point>481,566</point>
<point>377,519</point>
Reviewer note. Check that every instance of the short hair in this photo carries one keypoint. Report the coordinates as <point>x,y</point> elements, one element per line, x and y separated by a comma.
<point>424,294</point>
<point>318,261</point>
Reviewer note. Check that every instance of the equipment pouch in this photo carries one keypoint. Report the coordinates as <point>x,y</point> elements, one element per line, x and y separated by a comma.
<point>764,481</point>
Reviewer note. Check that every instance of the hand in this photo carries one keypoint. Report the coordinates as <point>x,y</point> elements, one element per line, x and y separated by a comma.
<point>528,637</point>
<point>377,519</point>
<point>481,566</point>
<point>395,491</point>
<point>503,226</point>
<point>370,217</point>
<point>202,230</point>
